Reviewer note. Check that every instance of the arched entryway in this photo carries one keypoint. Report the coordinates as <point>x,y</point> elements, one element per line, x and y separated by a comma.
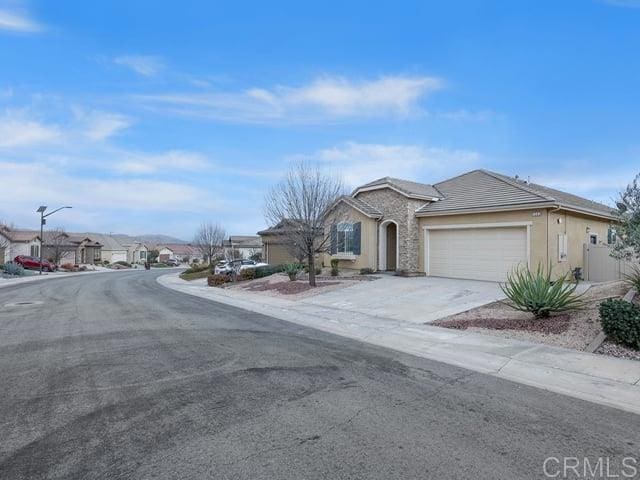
<point>388,246</point>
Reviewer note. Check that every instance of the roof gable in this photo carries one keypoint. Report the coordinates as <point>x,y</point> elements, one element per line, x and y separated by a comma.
<point>360,205</point>
<point>407,188</point>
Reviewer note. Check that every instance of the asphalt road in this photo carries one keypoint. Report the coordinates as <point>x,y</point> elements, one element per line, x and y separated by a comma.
<point>113,376</point>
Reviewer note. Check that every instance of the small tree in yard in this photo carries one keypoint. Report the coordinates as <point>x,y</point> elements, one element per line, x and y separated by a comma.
<point>208,240</point>
<point>56,245</point>
<point>301,200</point>
<point>627,245</point>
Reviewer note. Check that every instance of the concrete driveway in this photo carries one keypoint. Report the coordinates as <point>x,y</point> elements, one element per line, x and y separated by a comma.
<point>417,300</point>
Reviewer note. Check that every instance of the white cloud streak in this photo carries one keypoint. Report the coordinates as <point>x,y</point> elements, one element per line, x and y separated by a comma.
<point>145,65</point>
<point>359,163</point>
<point>323,99</point>
<point>18,131</point>
<point>18,22</point>
<point>174,161</point>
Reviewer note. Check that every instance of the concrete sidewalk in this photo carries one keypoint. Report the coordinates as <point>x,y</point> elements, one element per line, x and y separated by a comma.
<point>597,378</point>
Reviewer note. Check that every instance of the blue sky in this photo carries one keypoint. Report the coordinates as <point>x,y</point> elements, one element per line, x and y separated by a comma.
<point>149,117</point>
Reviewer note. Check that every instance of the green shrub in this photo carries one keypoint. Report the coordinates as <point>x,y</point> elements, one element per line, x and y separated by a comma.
<point>248,274</point>
<point>268,270</point>
<point>366,271</point>
<point>12,268</point>
<point>633,279</point>
<point>159,265</point>
<point>105,262</point>
<point>196,269</point>
<point>335,271</point>
<point>536,292</point>
<point>123,263</point>
<point>621,321</point>
<point>292,269</point>
<point>217,280</point>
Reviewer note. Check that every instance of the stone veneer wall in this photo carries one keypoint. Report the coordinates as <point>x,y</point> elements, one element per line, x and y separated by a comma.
<point>401,209</point>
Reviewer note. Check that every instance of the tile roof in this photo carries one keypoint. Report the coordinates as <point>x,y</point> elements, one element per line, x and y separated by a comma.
<point>107,241</point>
<point>246,241</point>
<point>481,189</point>
<point>15,235</point>
<point>364,207</point>
<point>179,248</point>
<point>408,188</point>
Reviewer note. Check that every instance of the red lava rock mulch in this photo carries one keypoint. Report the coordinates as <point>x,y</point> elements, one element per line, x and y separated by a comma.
<point>286,288</point>
<point>555,324</point>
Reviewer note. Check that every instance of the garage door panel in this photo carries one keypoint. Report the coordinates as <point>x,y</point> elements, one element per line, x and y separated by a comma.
<point>476,253</point>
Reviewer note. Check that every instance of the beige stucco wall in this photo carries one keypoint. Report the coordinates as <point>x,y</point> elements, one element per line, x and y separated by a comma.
<point>276,253</point>
<point>575,226</point>
<point>544,233</point>
<point>369,240</point>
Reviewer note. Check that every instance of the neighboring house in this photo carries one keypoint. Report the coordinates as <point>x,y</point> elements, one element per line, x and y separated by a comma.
<point>275,248</point>
<point>242,246</point>
<point>479,225</point>
<point>137,252</point>
<point>112,250</point>
<point>71,248</point>
<point>14,242</point>
<point>180,252</point>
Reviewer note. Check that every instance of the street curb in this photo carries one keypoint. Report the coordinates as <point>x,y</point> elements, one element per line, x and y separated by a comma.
<point>609,381</point>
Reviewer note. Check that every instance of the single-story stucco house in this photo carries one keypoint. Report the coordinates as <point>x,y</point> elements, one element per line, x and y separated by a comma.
<point>14,242</point>
<point>136,252</point>
<point>479,225</point>
<point>180,252</point>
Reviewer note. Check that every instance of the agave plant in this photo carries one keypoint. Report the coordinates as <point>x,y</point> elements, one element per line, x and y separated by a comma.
<point>536,292</point>
<point>292,269</point>
<point>633,278</point>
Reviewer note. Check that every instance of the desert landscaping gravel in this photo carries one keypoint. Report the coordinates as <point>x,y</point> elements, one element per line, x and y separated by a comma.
<point>575,330</point>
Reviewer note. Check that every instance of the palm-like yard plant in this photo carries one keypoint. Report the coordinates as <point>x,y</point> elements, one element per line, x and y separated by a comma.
<point>633,278</point>
<point>536,292</point>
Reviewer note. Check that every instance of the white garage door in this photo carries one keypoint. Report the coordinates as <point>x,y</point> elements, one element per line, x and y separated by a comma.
<point>118,257</point>
<point>476,253</point>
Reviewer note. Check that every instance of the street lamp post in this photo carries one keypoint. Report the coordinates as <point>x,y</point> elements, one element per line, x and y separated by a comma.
<point>41,211</point>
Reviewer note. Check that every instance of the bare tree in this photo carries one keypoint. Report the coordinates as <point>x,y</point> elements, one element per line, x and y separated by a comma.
<point>56,244</point>
<point>208,239</point>
<point>300,201</point>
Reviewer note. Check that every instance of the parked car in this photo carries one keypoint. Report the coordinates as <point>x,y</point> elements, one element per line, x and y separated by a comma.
<point>173,262</point>
<point>33,263</point>
<point>225,268</point>
<point>222,268</point>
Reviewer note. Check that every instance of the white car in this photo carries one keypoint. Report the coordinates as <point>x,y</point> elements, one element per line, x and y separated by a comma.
<point>225,268</point>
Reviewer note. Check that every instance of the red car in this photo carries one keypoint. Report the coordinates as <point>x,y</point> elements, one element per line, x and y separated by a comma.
<point>34,263</point>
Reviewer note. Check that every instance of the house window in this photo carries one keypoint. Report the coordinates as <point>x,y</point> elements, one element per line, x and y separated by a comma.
<point>612,236</point>
<point>562,247</point>
<point>35,250</point>
<point>593,239</point>
<point>345,238</point>
<point>143,255</point>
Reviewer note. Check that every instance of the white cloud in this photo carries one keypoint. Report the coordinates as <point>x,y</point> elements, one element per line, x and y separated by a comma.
<point>359,163</point>
<point>323,99</point>
<point>18,22</point>
<point>101,125</point>
<point>174,161</point>
<point>25,182</point>
<point>18,131</point>
<point>145,65</point>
